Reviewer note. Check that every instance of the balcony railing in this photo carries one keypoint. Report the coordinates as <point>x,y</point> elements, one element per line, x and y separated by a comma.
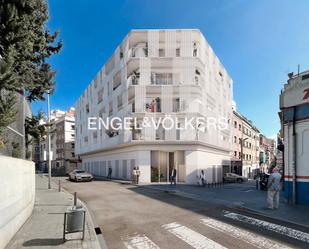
<point>137,52</point>
<point>161,79</point>
<point>133,80</point>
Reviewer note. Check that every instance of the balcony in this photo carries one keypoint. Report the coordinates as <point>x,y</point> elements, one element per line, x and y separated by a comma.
<point>161,78</point>
<point>133,80</point>
<point>137,135</point>
<point>138,51</point>
<point>153,105</point>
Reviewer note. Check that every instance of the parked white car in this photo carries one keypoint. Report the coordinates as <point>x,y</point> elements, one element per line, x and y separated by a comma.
<point>80,175</point>
<point>231,177</point>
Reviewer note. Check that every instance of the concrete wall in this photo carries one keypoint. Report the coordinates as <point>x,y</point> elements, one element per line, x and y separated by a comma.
<point>17,184</point>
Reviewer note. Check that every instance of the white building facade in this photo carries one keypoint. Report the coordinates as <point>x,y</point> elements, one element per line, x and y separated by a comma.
<point>154,74</point>
<point>294,105</point>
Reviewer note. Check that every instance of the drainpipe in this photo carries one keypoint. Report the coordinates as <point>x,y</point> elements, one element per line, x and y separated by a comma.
<point>294,160</point>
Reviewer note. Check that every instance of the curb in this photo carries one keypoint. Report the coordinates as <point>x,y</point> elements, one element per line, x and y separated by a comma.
<point>255,212</point>
<point>235,205</point>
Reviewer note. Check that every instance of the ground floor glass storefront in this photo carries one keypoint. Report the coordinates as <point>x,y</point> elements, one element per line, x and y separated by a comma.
<point>162,164</point>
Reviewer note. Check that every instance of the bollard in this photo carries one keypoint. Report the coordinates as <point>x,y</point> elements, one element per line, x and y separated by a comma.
<point>257,184</point>
<point>75,199</point>
<point>59,186</point>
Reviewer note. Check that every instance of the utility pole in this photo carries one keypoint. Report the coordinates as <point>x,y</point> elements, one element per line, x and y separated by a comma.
<point>49,143</point>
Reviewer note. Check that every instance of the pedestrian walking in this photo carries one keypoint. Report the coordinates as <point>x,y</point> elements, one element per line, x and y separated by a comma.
<point>110,171</point>
<point>134,175</point>
<point>273,192</point>
<point>203,178</point>
<point>138,173</point>
<point>173,176</point>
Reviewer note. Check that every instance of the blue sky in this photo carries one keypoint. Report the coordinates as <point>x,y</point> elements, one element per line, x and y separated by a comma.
<point>258,42</point>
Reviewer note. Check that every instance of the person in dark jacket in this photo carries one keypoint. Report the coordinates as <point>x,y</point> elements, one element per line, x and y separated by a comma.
<point>110,171</point>
<point>173,176</point>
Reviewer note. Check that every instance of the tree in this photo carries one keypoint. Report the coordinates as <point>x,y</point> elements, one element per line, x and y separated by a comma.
<point>25,45</point>
<point>34,130</point>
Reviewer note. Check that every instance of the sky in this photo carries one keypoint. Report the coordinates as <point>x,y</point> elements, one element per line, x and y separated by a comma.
<point>258,42</point>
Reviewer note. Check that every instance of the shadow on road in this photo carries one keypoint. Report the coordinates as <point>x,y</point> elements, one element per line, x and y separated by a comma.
<point>43,242</point>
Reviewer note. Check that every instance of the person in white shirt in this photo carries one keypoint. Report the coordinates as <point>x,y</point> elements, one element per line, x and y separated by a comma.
<point>134,175</point>
<point>138,173</point>
<point>273,192</point>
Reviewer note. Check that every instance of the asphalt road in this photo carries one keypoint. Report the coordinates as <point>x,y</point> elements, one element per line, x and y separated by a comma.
<point>138,217</point>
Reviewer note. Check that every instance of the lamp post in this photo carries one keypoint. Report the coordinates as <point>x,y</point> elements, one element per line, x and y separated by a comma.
<point>241,149</point>
<point>49,142</point>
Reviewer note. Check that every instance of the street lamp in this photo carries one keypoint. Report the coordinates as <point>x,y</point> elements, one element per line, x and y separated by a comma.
<point>241,151</point>
<point>49,142</point>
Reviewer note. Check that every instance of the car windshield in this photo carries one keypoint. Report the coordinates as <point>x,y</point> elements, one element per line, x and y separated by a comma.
<point>80,171</point>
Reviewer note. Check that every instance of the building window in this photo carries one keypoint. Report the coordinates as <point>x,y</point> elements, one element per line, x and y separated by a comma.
<point>235,124</point>
<point>110,108</point>
<point>72,145</point>
<point>194,49</point>
<point>235,139</point>
<point>72,127</point>
<point>73,154</point>
<point>239,127</point>
<point>119,102</point>
<point>100,96</point>
<point>161,52</point>
<point>177,52</point>
<point>239,140</point>
<point>235,153</point>
<point>87,108</point>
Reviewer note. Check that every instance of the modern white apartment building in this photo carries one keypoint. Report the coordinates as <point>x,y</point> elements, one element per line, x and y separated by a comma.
<point>152,74</point>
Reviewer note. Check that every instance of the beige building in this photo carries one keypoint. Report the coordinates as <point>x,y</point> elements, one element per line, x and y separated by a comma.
<point>63,159</point>
<point>245,157</point>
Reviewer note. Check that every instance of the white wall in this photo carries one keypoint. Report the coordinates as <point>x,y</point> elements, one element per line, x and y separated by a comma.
<point>17,184</point>
<point>140,158</point>
<point>302,131</point>
<point>209,161</point>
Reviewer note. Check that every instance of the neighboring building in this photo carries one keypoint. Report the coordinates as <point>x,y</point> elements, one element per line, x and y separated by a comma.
<point>294,106</point>
<point>279,153</point>
<point>63,159</point>
<point>245,155</point>
<point>154,73</point>
<point>267,153</point>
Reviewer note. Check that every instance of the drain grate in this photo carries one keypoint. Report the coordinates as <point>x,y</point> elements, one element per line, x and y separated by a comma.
<point>98,230</point>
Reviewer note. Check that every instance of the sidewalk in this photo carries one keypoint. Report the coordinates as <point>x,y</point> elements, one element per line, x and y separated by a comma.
<point>243,195</point>
<point>44,228</point>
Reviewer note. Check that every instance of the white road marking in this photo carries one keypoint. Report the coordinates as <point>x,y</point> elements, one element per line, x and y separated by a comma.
<point>286,231</point>
<point>194,239</point>
<point>238,233</point>
<point>140,242</point>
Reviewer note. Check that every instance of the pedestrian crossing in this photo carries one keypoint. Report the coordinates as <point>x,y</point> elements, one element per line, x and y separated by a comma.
<point>194,239</point>
<point>198,239</point>
<point>140,242</point>
<point>286,231</point>
<point>238,233</point>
